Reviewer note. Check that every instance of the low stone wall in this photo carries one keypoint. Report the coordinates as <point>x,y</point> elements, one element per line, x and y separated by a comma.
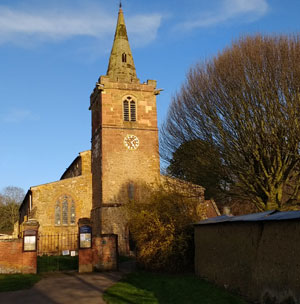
<point>14,260</point>
<point>259,260</point>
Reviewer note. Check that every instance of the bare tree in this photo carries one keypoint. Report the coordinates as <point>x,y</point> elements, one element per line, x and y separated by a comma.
<point>12,194</point>
<point>10,201</point>
<point>246,102</point>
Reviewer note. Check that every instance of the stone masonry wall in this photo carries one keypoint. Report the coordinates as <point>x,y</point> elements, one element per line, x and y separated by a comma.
<point>80,166</point>
<point>14,260</point>
<point>114,221</point>
<point>44,199</point>
<point>259,260</point>
<point>73,170</point>
<point>120,165</point>
<point>113,165</point>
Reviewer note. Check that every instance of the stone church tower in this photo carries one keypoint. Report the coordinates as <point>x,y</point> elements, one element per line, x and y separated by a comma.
<point>124,138</point>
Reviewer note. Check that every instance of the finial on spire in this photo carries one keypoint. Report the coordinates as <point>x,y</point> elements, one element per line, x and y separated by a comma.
<point>120,4</point>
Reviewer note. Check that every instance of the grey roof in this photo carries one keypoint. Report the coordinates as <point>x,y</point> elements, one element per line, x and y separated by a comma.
<point>272,215</point>
<point>286,215</point>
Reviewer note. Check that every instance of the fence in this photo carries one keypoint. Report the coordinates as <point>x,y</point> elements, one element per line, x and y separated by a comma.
<point>57,244</point>
<point>57,252</point>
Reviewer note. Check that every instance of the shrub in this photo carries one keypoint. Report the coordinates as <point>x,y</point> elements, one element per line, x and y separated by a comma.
<point>160,222</point>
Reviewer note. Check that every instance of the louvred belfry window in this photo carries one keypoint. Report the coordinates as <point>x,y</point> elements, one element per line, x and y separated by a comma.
<point>132,111</point>
<point>126,110</point>
<point>129,109</point>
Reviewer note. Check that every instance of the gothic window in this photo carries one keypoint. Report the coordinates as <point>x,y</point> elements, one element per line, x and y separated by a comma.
<point>129,109</point>
<point>124,57</point>
<point>65,211</point>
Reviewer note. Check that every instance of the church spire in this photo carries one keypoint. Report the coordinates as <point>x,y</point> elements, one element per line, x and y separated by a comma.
<point>121,66</point>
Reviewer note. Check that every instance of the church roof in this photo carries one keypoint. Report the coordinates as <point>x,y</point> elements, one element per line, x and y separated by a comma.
<point>121,67</point>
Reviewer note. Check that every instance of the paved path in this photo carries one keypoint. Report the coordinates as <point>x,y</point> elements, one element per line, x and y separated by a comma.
<point>65,288</point>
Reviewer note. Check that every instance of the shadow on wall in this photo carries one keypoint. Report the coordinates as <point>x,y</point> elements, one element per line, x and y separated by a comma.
<point>256,255</point>
<point>115,214</point>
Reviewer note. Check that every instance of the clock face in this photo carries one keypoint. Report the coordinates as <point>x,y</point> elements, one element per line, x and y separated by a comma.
<point>131,142</point>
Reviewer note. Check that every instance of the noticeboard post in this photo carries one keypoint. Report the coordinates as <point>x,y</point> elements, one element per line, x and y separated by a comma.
<point>30,240</point>
<point>85,237</point>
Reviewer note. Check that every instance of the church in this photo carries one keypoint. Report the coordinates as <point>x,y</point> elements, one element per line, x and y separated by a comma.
<point>124,152</point>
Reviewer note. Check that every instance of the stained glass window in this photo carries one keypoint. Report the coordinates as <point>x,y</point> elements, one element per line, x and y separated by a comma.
<point>72,213</point>
<point>65,212</point>
<point>57,213</point>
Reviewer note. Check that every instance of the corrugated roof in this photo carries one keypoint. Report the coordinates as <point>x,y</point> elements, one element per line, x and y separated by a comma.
<point>286,215</point>
<point>272,215</point>
<point>253,216</point>
<point>214,220</point>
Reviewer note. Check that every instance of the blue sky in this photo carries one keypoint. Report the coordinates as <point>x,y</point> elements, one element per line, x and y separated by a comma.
<point>52,53</point>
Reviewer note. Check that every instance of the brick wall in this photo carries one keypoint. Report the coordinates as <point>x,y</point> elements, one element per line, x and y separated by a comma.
<point>105,252</point>
<point>14,260</point>
<point>257,259</point>
<point>103,256</point>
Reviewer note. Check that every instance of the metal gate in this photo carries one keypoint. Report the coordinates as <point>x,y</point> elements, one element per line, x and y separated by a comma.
<point>57,252</point>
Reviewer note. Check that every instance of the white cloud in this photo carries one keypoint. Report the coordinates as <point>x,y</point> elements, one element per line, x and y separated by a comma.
<point>143,28</point>
<point>229,10</point>
<point>17,25</point>
<point>17,116</point>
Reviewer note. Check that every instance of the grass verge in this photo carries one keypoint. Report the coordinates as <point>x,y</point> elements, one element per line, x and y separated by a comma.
<point>150,288</point>
<point>12,282</point>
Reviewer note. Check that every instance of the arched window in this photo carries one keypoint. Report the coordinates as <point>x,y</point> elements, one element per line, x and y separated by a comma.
<point>124,57</point>
<point>64,213</point>
<point>126,110</point>
<point>129,109</point>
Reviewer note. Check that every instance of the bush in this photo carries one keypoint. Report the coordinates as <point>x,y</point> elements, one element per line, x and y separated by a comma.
<point>160,222</point>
